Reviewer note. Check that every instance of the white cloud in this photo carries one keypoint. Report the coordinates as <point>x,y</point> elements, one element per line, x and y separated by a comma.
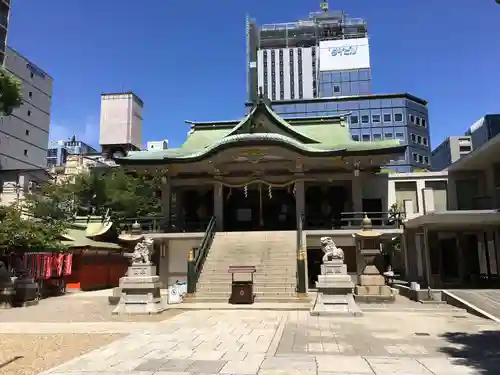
<point>87,132</point>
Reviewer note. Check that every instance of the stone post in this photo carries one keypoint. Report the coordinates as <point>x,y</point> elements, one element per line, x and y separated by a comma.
<point>219,206</point>
<point>301,272</point>
<point>357,193</point>
<point>191,272</point>
<point>166,193</point>
<point>299,199</point>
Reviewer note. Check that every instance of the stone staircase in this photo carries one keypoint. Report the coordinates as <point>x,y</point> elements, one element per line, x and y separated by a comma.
<point>272,253</point>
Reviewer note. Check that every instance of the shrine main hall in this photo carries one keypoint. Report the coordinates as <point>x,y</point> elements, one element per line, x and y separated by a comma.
<point>264,173</point>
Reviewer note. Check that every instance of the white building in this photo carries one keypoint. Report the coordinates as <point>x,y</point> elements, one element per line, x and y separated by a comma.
<point>24,135</point>
<point>121,122</point>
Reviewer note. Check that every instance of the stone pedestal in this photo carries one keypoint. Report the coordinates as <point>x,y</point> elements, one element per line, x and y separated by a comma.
<point>25,292</point>
<point>335,289</point>
<point>140,291</point>
<point>371,287</point>
<point>6,294</point>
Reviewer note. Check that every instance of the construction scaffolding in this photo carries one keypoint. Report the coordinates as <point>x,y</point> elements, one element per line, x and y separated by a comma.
<point>319,26</point>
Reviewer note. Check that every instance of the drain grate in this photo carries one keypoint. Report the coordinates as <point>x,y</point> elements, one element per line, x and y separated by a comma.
<point>421,334</point>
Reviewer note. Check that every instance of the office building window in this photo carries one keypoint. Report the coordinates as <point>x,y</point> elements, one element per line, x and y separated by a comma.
<point>415,156</point>
<point>27,132</point>
<point>420,159</point>
<point>414,138</point>
<point>354,119</point>
<point>273,75</point>
<point>400,135</point>
<point>426,160</point>
<point>336,88</point>
<point>299,65</point>
<point>417,120</point>
<point>419,139</point>
<point>376,119</point>
<point>398,117</point>
<point>377,137</point>
<point>365,119</point>
<point>388,135</point>
<point>424,123</point>
<point>266,93</point>
<point>424,141</point>
<point>282,78</point>
<point>25,152</point>
<point>30,94</point>
<point>355,137</point>
<point>366,137</point>
<point>387,117</point>
<point>412,119</point>
<point>464,148</point>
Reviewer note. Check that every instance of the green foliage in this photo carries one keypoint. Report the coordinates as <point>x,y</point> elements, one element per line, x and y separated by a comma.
<point>52,203</point>
<point>125,195</point>
<point>10,93</point>
<point>21,234</point>
<point>51,209</point>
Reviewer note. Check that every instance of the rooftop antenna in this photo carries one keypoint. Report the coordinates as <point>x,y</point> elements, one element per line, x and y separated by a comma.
<point>324,6</point>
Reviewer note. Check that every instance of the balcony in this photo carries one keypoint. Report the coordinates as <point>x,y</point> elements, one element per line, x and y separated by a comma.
<point>354,220</point>
<point>343,221</point>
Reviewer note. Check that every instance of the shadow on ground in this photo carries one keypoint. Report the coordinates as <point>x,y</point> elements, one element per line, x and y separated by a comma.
<point>479,351</point>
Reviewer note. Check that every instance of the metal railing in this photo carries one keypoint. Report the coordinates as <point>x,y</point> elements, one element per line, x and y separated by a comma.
<point>301,262</point>
<point>195,264</point>
<point>161,224</point>
<point>354,220</point>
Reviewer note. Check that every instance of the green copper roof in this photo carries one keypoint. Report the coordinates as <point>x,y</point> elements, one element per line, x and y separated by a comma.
<point>319,136</point>
<point>76,238</point>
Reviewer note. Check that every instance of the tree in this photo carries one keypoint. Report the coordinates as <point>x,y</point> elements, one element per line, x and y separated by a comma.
<point>53,203</point>
<point>10,93</point>
<point>124,194</point>
<point>19,234</point>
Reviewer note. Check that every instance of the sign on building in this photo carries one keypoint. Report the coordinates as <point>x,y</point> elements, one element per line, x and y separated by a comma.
<point>345,54</point>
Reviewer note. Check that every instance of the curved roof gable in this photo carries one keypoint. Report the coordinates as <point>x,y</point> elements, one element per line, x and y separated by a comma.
<point>262,119</point>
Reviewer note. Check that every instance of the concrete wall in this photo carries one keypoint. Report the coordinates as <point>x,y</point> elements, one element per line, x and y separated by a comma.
<point>421,180</point>
<point>173,258</point>
<point>24,135</point>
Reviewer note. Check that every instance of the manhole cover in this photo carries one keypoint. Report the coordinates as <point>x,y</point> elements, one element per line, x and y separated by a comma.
<point>421,334</point>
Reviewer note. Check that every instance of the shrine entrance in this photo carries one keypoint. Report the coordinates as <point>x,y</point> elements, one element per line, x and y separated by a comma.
<point>258,206</point>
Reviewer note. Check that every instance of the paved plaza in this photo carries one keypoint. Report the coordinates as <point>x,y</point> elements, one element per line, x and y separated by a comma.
<point>447,342</point>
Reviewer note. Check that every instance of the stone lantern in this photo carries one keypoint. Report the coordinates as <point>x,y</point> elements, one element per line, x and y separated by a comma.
<point>371,286</point>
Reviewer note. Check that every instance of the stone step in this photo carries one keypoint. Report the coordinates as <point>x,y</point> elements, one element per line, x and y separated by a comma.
<point>257,283</point>
<point>259,258</point>
<point>260,267</point>
<point>256,262</point>
<point>261,290</point>
<point>214,276</point>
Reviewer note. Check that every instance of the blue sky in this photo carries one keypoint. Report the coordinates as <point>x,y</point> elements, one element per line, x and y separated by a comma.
<point>186,59</point>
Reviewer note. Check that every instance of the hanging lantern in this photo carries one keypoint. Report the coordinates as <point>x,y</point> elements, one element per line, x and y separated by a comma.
<point>245,191</point>
<point>270,192</point>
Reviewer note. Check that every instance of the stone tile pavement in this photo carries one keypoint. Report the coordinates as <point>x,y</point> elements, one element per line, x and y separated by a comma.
<point>487,300</point>
<point>280,342</point>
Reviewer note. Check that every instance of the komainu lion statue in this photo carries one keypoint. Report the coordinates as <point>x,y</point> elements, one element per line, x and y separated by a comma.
<point>142,251</point>
<point>332,252</point>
